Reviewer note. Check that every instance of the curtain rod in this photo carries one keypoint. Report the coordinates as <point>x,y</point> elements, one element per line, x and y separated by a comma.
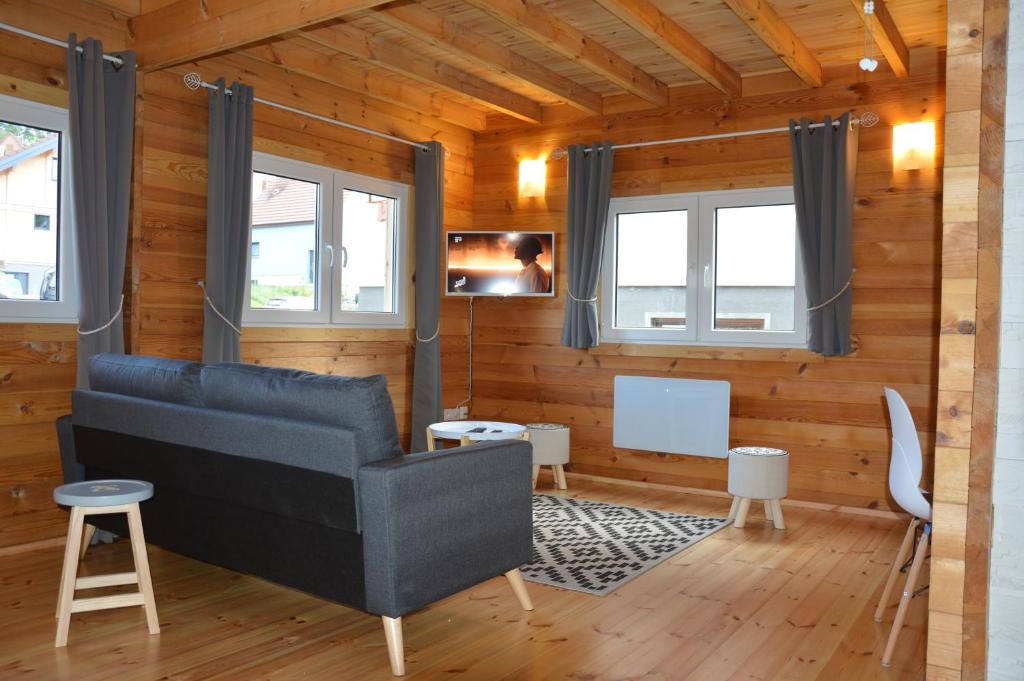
<point>193,81</point>
<point>53,41</point>
<point>867,119</point>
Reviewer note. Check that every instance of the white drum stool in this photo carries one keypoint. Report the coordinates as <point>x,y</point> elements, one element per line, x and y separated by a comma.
<point>760,473</point>
<point>550,448</point>
<point>98,497</point>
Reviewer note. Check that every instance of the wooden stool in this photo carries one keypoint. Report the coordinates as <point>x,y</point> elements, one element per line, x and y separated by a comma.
<point>98,497</point>
<point>550,448</point>
<point>758,473</point>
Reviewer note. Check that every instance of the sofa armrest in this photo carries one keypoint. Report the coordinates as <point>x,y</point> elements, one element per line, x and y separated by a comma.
<point>437,523</point>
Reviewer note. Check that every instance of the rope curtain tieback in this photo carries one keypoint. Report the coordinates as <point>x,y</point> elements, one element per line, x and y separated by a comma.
<point>120,307</point>
<point>581,300</point>
<point>206,296</point>
<point>836,296</point>
<point>427,340</point>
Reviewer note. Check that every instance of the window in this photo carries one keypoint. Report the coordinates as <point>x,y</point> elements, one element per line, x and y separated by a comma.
<point>718,268</point>
<point>325,247</point>
<point>35,226</point>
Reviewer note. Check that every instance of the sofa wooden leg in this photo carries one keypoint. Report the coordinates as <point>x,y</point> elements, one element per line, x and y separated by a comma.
<point>393,634</point>
<point>515,580</point>
<point>87,536</point>
<point>536,474</point>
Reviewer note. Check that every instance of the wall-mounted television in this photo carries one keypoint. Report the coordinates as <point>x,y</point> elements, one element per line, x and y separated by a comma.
<point>501,264</point>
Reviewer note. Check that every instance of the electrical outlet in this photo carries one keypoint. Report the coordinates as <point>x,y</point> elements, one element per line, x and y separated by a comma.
<point>456,414</point>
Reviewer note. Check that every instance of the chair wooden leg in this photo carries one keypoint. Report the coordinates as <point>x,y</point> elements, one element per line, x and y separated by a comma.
<point>88,533</point>
<point>894,571</point>
<point>138,540</point>
<point>68,575</point>
<point>515,580</point>
<point>430,440</point>
<point>908,593</point>
<point>393,634</point>
<point>741,513</point>
<point>767,509</point>
<point>560,476</point>
<point>735,507</point>
<point>536,474</point>
<point>780,522</point>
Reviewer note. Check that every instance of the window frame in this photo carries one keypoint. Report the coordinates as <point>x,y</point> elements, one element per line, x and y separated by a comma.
<point>701,273</point>
<point>64,310</point>
<point>648,204</point>
<point>328,312</point>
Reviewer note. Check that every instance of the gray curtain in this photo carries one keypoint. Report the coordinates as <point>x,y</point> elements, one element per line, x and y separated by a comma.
<point>228,207</point>
<point>101,113</point>
<point>426,383</point>
<point>590,188</point>
<point>824,173</point>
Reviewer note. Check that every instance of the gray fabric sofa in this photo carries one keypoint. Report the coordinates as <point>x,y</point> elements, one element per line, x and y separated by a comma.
<point>299,478</point>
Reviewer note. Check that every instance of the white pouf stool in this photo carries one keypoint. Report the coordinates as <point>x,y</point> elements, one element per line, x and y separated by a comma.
<point>550,448</point>
<point>760,473</point>
<point>99,497</point>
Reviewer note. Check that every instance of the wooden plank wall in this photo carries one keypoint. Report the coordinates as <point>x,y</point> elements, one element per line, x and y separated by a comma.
<point>969,342</point>
<point>828,412</point>
<point>170,250</point>
<point>37,361</point>
<point>164,310</point>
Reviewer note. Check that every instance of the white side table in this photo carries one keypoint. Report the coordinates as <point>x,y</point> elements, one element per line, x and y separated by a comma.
<point>550,448</point>
<point>99,497</point>
<point>467,432</point>
<point>758,473</point>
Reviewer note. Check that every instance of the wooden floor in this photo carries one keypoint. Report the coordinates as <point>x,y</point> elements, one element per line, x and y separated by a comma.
<point>743,604</point>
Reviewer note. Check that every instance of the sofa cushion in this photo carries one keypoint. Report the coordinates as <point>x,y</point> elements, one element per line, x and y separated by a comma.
<point>152,378</point>
<point>360,404</point>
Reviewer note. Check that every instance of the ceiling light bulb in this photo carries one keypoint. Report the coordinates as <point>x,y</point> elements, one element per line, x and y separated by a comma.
<point>868,64</point>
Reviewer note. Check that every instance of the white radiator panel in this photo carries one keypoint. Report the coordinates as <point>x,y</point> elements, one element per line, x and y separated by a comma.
<point>672,415</point>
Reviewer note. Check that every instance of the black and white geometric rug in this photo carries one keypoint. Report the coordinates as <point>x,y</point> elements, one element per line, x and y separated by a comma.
<point>595,547</point>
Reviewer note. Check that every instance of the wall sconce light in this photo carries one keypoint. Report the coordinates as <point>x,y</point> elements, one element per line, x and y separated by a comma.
<point>532,178</point>
<point>913,145</point>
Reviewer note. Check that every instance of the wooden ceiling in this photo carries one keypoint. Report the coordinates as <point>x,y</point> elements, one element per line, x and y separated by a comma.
<point>516,57</point>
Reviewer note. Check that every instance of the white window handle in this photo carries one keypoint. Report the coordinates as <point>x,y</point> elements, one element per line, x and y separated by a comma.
<point>330,252</point>
<point>707,276</point>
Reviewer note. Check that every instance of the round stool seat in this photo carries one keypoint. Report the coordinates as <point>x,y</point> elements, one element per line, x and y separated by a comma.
<point>93,493</point>
<point>550,443</point>
<point>758,472</point>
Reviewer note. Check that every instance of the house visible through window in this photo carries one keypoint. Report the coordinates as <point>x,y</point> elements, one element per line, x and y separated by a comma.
<point>33,230</point>
<point>716,268</point>
<point>325,246</point>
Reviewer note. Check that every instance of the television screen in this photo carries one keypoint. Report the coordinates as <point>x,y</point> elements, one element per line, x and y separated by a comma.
<point>501,263</point>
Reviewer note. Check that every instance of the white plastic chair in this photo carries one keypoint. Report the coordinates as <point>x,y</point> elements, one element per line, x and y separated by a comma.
<point>905,468</point>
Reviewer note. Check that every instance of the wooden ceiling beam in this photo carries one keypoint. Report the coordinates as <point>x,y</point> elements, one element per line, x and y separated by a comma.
<point>888,38</point>
<point>410,63</point>
<point>767,25</point>
<point>187,30</point>
<point>559,36</point>
<point>646,19</point>
<point>302,57</point>
<point>445,34</point>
